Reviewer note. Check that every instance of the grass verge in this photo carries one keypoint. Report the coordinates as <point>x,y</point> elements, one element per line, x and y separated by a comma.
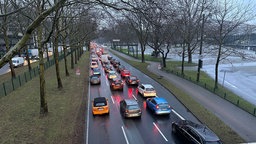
<point>20,121</point>
<point>226,134</point>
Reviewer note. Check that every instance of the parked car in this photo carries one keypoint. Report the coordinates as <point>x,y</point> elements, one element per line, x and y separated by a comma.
<point>120,68</point>
<point>132,80</point>
<point>116,84</point>
<point>17,61</point>
<point>95,79</point>
<point>96,71</point>
<point>158,105</point>
<point>112,74</point>
<point>94,64</point>
<point>109,57</point>
<point>147,90</point>
<point>130,108</point>
<point>125,73</point>
<point>100,106</point>
<point>194,133</point>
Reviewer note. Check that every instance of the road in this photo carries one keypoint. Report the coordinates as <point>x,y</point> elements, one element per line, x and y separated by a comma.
<point>114,129</point>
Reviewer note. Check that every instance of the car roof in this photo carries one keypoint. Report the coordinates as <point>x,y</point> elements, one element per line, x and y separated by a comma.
<point>203,131</point>
<point>99,99</point>
<point>130,101</point>
<point>160,100</point>
<point>147,85</point>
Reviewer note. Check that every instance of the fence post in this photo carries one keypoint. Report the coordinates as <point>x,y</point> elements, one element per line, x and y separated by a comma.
<point>237,103</point>
<point>25,77</point>
<point>12,84</point>
<point>4,89</point>
<point>254,111</point>
<point>19,80</point>
<point>225,95</point>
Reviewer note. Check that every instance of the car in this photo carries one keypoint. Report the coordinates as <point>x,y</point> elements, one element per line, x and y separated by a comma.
<point>125,73</point>
<point>94,58</point>
<point>158,105</point>
<point>95,79</point>
<point>112,74</point>
<point>194,133</point>
<point>112,60</point>
<point>116,63</point>
<point>146,90</point>
<point>109,57</point>
<point>108,68</point>
<point>132,80</point>
<point>100,106</point>
<point>96,71</point>
<point>94,64</point>
<point>130,108</point>
<point>120,68</point>
<point>104,63</point>
<point>116,84</point>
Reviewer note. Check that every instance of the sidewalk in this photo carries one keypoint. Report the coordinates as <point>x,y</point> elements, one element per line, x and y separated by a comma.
<point>240,121</point>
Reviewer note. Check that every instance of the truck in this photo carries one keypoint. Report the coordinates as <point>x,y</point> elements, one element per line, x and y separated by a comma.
<point>104,58</point>
<point>18,61</point>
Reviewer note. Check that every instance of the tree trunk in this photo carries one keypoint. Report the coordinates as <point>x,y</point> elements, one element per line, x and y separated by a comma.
<point>189,53</point>
<point>217,67</point>
<point>43,102</point>
<point>72,59</point>
<point>28,59</point>
<point>183,59</point>
<point>56,57</point>
<point>65,58</point>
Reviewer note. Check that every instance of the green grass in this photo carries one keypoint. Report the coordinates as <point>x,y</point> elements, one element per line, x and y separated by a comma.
<point>226,134</point>
<point>20,121</point>
<point>208,83</point>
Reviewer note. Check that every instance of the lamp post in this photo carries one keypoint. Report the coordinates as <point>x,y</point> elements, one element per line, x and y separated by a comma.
<point>200,61</point>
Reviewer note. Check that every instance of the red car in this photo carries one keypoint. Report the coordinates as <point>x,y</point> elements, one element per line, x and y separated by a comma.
<point>125,73</point>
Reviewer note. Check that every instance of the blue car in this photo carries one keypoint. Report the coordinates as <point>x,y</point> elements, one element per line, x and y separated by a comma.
<point>158,105</point>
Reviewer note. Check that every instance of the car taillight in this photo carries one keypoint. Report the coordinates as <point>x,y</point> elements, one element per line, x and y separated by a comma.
<point>157,106</point>
<point>130,80</point>
<point>169,106</point>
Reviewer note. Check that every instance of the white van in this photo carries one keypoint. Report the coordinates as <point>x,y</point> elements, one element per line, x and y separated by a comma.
<point>18,61</point>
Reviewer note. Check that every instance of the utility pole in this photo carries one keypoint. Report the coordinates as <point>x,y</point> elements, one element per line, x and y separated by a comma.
<point>200,61</point>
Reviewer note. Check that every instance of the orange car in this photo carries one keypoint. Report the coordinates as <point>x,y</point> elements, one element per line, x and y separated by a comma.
<point>100,106</point>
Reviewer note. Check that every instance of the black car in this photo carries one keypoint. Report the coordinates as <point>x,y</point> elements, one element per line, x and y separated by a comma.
<point>130,108</point>
<point>116,84</point>
<point>132,80</point>
<point>194,133</point>
<point>116,63</point>
<point>120,68</point>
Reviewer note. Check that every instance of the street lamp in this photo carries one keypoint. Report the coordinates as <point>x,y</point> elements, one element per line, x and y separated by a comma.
<point>200,61</point>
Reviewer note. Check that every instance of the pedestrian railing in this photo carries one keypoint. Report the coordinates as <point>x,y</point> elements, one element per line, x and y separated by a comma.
<point>14,83</point>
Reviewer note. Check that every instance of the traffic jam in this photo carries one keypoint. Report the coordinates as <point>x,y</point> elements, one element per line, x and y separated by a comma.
<point>126,106</point>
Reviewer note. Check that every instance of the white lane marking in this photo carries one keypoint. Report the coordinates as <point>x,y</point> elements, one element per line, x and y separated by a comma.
<point>88,104</point>
<point>160,131</point>
<point>178,114</point>
<point>125,135</point>
<point>112,100</point>
<point>134,97</point>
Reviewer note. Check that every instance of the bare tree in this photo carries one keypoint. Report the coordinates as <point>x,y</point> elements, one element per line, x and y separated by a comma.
<point>227,16</point>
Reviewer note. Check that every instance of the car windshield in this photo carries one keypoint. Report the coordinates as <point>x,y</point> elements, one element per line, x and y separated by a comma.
<point>98,104</point>
<point>150,89</point>
<point>133,107</point>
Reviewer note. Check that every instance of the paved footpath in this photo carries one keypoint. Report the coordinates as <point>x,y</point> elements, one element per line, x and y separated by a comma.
<point>240,121</point>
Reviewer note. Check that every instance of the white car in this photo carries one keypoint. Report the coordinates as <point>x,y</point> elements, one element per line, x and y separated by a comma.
<point>147,90</point>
